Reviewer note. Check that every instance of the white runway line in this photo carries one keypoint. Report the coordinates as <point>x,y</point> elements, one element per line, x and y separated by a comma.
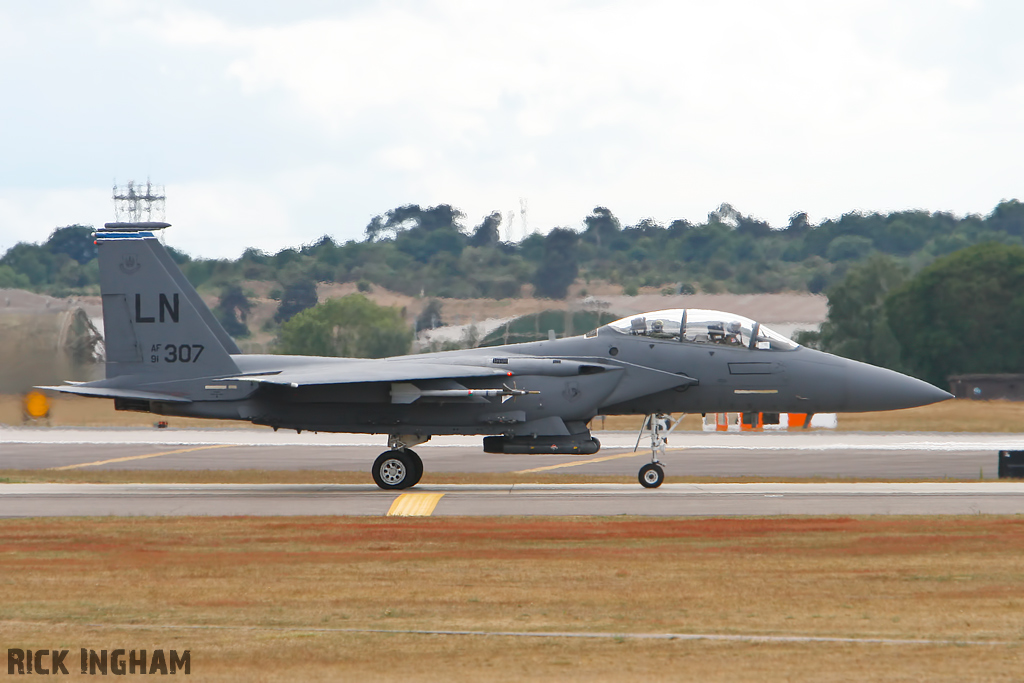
<point>729,637</point>
<point>810,441</point>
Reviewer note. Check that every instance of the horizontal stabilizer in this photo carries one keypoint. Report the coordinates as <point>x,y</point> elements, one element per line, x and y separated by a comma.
<point>107,392</point>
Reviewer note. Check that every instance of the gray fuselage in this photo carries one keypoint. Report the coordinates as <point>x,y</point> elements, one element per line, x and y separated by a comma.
<point>607,373</point>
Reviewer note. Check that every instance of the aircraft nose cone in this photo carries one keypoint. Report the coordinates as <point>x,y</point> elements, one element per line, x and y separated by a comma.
<point>872,388</point>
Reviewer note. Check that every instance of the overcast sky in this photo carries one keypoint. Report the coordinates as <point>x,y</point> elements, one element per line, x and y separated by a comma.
<point>273,123</point>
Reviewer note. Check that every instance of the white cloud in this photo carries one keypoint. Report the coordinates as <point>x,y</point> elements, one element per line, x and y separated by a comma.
<point>224,218</point>
<point>30,215</point>
<point>274,132</point>
<point>403,158</point>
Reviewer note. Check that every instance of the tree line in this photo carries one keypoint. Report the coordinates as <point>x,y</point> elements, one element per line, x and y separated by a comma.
<point>963,313</point>
<point>431,251</point>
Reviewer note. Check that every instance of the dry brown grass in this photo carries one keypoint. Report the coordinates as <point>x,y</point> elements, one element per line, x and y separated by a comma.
<point>78,411</point>
<point>958,415</point>
<point>950,416</point>
<point>75,583</point>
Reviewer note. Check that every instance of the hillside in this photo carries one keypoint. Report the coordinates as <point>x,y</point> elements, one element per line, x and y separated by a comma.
<point>35,327</point>
<point>785,312</point>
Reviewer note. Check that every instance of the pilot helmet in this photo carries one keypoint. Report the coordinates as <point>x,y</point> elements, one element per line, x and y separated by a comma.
<point>734,326</point>
<point>657,326</point>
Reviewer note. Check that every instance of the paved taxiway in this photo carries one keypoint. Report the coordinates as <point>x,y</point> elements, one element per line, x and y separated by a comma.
<point>813,454</point>
<point>32,500</point>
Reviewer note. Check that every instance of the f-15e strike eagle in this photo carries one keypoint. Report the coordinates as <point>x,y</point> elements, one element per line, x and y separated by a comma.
<point>167,354</point>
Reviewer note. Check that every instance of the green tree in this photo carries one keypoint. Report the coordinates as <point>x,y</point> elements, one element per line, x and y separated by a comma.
<point>799,224</point>
<point>559,267</point>
<point>486,234</point>
<point>602,226</point>
<point>352,327</point>
<point>858,322</point>
<point>442,216</point>
<point>11,279</point>
<point>1008,217</point>
<point>75,241</point>
<point>964,313</point>
<point>848,248</point>
<point>297,296</point>
<point>30,260</point>
<point>233,310</point>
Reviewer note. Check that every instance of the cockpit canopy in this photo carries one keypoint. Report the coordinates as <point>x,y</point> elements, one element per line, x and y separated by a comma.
<point>701,326</point>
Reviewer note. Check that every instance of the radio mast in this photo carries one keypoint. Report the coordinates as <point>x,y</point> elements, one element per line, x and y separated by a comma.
<point>136,203</point>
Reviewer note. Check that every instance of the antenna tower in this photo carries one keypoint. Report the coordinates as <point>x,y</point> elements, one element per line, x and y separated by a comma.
<point>522,217</point>
<point>508,225</point>
<point>135,202</point>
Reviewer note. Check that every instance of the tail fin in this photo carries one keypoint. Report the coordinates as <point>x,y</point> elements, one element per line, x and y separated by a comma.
<point>154,322</point>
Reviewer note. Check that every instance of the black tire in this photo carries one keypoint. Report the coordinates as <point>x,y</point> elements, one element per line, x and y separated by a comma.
<point>651,476</point>
<point>393,470</point>
<point>417,467</point>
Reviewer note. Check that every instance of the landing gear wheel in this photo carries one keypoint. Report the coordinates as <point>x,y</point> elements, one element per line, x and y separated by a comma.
<point>417,467</point>
<point>393,470</point>
<point>651,475</point>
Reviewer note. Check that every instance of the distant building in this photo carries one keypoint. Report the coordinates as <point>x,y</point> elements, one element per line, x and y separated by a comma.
<point>987,387</point>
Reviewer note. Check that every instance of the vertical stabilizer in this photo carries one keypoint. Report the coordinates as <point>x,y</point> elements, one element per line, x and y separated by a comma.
<point>154,322</point>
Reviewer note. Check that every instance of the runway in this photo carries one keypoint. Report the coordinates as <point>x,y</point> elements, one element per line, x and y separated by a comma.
<point>48,500</point>
<point>969,458</point>
<point>785,455</point>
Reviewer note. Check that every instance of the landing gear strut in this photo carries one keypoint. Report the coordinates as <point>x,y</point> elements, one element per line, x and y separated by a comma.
<point>661,425</point>
<point>400,467</point>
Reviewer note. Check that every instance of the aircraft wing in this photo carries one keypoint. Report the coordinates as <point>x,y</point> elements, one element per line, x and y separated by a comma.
<point>369,371</point>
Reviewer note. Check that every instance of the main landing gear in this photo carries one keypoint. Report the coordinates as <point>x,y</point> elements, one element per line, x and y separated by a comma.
<point>397,469</point>
<point>400,467</point>
<point>661,425</point>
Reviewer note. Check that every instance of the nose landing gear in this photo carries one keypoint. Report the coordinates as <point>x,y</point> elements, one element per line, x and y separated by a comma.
<point>651,475</point>
<point>661,425</point>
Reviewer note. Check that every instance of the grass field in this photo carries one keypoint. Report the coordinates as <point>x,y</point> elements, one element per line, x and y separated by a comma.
<point>949,416</point>
<point>274,595</point>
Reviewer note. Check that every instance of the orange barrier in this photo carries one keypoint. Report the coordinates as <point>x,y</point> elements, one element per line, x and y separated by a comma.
<point>755,422</point>
<point>752,422</point>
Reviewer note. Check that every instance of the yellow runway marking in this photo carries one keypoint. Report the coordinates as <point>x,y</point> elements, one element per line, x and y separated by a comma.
<point>578,462</point>
<point>139,457</point>
<point>414,505</point>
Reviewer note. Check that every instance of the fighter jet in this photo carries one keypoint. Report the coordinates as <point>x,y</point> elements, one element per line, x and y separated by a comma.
<point>167,354</point>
